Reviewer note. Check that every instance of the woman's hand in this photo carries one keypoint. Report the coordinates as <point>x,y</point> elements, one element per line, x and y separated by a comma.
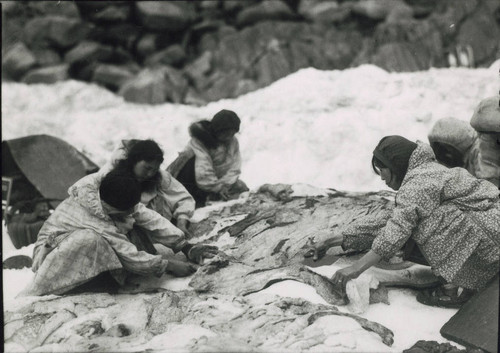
<point>201,251</point>
<point>342,276</point>
<point>180,268</point>
<point>317,251</point>
<point>182,224</point>
<point>224,193</point>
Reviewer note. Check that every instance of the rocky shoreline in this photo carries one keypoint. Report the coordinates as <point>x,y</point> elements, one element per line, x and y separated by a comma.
<point>194,52</point>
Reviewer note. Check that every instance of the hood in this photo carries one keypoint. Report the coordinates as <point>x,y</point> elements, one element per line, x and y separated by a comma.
<point>454,132</point>
<point>201,131</point>
<point>422,154</point>
<point>86,193</point>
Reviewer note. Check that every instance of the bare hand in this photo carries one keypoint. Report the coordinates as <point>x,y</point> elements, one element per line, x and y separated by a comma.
<point>182,224</point>
<point>317,251</point>
<point>224,193</point>
<point>180,268</point>
<point>200,251</point>
<point>342,276</point>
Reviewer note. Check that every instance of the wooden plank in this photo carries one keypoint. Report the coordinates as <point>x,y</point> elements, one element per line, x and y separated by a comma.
<point>476,323</point>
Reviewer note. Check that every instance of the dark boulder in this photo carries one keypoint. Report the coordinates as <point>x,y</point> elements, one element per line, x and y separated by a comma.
<point>61,8</point>
<point>112,76</point>
<point>46,57</point>
<point>17,61</point>
<point>481,32</point>
<point>165,15</point>
<point>324,11</point>
<point>267,10</point>
<point>148,87</point>
<point>122,34</point>
<point>49,74</point>
<point>154,86</point>
<point>57,31</point>
<point>198,70</point>
<point>88,51</point>
<point>174,55</point>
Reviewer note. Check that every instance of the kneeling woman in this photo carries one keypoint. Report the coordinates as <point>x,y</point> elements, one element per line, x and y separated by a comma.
<point>453,217</point>
<point>210,166</point>
<point>86,237</point>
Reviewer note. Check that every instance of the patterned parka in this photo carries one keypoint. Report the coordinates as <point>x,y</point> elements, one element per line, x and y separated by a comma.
<point>452,216</point>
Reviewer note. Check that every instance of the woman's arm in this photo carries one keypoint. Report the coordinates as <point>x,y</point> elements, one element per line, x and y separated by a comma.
<point>341,277</point>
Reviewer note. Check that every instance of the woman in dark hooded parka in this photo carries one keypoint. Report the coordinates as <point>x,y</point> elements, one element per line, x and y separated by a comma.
<point>453,217</point>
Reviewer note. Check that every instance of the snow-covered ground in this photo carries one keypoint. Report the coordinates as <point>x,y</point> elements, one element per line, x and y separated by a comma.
<point>312,127</point>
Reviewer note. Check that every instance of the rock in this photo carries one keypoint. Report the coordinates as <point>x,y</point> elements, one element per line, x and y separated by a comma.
<point>119,12</point>
<point>374,9</point>
<point>148,87</point>
<point>245,86</point>
<point>267,10</point>
<point>121,34</point>
<point>111,75</point>
<point>339,49</point>
<point>47,75</point>
<point>422,8</point>
<point>233,6</point>
<point>60,32</point>
<point>449,14</point>
<point>17,262</point>
<point>46,57</point>
<point>324,11</point>
<point>273,65</point>
<point>221,85</point>
<point>174,55</point>
<point>480,32</point>
<point>165,15</point>
<point>400,13</point>
<point>61,8</point>
<point>88,51</point>
<point>198,69</point>
<point>401,57</point>
<point>17,61</point>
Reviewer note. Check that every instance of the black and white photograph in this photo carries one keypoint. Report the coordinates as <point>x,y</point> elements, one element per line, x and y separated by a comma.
<point>251,176</point>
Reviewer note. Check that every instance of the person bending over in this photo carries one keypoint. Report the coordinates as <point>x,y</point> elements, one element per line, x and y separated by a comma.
<point>86,236</point>
<point>210,166</point>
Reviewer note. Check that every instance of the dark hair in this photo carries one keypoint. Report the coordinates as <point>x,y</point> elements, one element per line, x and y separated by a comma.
<point>377,164</point>
<point>122,191</point>
<point>144,150</point>
<point>141,150</point>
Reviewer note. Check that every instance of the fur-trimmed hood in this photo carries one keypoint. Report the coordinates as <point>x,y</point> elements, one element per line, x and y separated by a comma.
<point>202,131</point>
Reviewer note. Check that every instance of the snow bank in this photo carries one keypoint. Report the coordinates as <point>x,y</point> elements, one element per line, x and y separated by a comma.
<point>312,127</point>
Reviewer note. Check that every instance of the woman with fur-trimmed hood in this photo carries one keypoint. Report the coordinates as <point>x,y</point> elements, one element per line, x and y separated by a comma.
<point>210,166</point>
<point>455,144</point>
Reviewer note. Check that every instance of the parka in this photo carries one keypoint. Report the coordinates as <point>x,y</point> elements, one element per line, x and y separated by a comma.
<point>462,136</point>
<point>452,216</point>
<point>216,165</point>
<point>83,210</point>
<point>170,199</point>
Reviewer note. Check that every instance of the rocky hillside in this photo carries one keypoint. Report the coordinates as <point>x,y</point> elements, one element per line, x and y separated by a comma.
<point>193,52</point>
